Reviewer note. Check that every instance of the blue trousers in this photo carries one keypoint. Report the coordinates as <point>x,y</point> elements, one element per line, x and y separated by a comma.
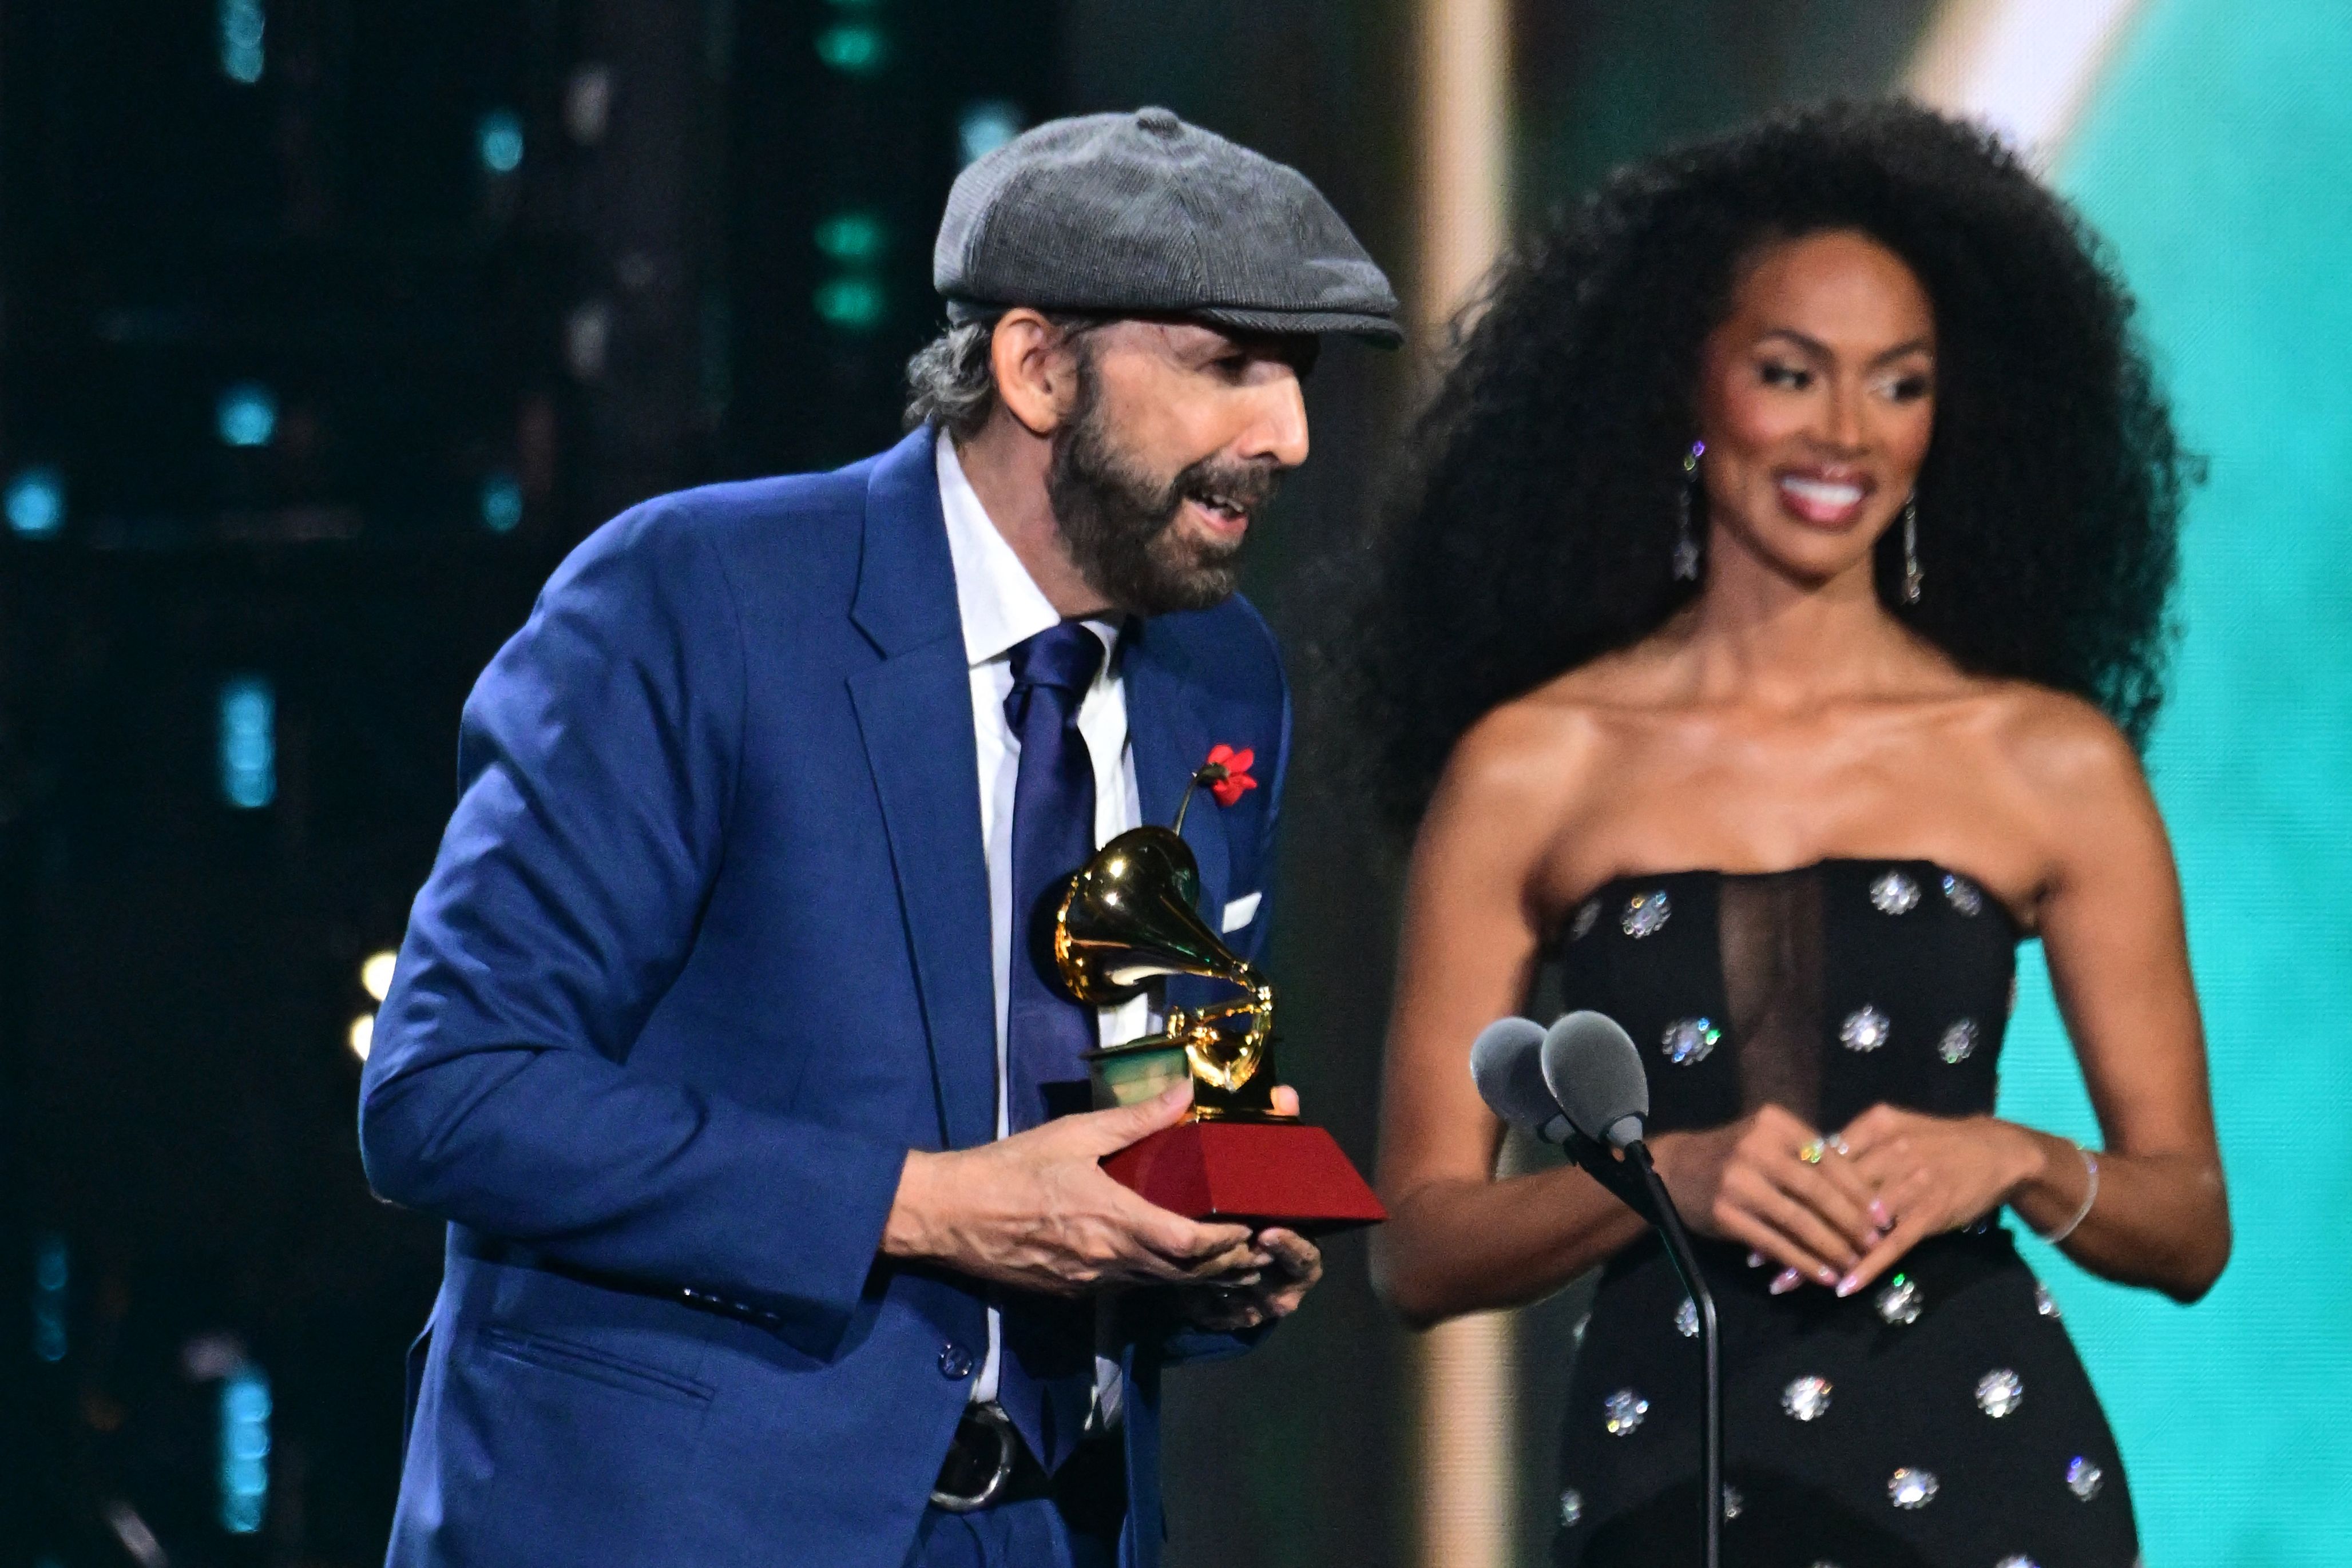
<point>1031,1534</point>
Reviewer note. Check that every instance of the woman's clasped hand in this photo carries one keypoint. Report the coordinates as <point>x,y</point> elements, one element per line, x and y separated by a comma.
<point>1839,1208</point>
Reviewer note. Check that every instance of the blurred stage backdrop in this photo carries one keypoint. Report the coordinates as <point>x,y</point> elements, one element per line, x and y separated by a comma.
<point>327,327</point>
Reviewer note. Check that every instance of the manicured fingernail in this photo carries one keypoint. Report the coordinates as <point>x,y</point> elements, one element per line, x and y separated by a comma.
<point>1756,1259</point>
<point>1872,1240</point>
<point>1849,1285</point>
<point>1881,1216</point>
<point>1786,1280</point>
<point>1825,1274</point>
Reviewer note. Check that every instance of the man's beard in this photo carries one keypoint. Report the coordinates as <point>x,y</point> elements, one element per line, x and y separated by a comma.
<point>1119,522</point>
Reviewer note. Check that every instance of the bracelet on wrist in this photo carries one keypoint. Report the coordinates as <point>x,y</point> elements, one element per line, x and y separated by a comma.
<point>2090,1196</point>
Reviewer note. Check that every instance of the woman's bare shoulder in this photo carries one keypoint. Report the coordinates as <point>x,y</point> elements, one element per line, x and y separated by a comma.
<point>2073,775</point>
<point>1541,744</point>
<point>2057,743</point>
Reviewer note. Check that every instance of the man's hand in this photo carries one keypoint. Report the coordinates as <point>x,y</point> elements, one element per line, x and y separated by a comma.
<point>1035,1211</point>
<point>1263,1296</point>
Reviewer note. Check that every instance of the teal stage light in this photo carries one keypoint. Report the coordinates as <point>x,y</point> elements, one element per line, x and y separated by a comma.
<point>854,48</point>
<point>501,503</point>
<point>852,239</point>
<point>852,304</point>
<point>246,415</point>
<point>245,1412</point>
<point>242,25</point>
<point>497,140</point>
<point>37,502</point>
<point>51,1274</point>
<point>249,742</point>
<point>984,127</point>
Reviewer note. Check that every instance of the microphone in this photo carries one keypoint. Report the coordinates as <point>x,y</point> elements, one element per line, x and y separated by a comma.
<point>1592,1070</point>
<point>1507,1063</point>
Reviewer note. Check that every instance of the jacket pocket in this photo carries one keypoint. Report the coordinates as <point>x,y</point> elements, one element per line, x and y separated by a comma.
<point>595,1363</point>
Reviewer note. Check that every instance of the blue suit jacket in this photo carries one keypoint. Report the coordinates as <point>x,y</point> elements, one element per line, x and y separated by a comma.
<point>705,953</point>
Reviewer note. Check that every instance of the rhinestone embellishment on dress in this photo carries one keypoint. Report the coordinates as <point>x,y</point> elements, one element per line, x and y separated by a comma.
<point>1732,1503</point>
<point>1571,1508</point>
<point>1865,1028</point>
<point>2045,1303</point>
<point>1998,1392</point>
<point>1622,1412</point>
<point>1689,1040</point>
<point>1587,918</point>
<point>2017,1560</point>
<point>1646,914</point>
<point>1899,1304</point>
<point>1687,1319</point>
<point>1807,1398</point>
<point>1907,1487</point>
<point>1894,894</point>
<point>1959,1042</point>
<point>1963,895</point>
<point>2084,1478</point>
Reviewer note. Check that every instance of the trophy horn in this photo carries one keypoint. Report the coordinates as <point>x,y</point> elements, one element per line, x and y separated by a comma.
<point>1126,919</point>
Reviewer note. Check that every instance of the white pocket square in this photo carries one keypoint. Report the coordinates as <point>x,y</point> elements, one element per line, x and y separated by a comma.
<point>1241,911</point>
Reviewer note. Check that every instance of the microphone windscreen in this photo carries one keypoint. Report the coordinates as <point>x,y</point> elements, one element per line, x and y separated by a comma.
<point>1592,1070</point>
<point>1505,1061</point>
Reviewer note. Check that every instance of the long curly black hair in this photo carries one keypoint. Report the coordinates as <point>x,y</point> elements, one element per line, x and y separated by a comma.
<point>1538,526</point>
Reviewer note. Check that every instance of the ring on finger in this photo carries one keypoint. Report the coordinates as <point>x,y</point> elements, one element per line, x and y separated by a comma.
<point>1811,1152</point>
<point>1838,1146</point>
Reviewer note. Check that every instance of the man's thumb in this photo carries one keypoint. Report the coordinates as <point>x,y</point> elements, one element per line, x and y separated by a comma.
<point>1116,1128</point>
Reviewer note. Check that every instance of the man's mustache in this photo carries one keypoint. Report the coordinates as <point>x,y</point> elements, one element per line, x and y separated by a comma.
<point>1248,486</point>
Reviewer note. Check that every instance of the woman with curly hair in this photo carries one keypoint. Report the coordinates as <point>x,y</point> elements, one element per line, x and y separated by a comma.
<point>1768,643</point>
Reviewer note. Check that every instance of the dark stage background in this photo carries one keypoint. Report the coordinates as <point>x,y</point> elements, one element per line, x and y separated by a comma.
<point>325,328</point>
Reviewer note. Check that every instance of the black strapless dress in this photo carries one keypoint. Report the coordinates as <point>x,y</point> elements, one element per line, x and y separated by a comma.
<point>1938,1417</point>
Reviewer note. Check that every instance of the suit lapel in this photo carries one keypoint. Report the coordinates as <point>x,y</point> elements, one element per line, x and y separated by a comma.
<point>914,714</point>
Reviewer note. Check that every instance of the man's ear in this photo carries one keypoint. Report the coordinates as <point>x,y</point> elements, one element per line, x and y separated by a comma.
<point>1036,370</point>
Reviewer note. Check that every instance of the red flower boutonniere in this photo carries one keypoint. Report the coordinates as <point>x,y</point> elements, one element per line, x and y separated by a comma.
<point>1226,773</point>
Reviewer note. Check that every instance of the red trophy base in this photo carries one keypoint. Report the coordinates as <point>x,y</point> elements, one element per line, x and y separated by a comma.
<point>1277,1173</point>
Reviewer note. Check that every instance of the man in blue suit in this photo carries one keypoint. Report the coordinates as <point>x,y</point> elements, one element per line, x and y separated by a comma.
<point>720,1035</point>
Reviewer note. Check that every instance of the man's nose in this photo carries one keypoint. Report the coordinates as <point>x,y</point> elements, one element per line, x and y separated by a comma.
<point>1277,428</point>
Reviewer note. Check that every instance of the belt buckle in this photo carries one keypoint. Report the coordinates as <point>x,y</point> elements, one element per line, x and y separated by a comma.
<point>990,1418</point>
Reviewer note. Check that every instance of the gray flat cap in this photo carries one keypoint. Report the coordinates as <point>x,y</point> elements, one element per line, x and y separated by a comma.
<point>1143,212</point>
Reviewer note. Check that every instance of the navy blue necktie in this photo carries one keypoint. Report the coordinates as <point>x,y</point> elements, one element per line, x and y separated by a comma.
<point>1046,1377</point>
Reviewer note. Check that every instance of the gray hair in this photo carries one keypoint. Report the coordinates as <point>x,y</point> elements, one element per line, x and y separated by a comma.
<point>951,383</point>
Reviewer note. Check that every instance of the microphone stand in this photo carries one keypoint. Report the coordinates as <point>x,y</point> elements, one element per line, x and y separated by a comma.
<point>1634,1180</point>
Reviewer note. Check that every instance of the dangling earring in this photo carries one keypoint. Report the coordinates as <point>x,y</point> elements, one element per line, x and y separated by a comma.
<point>1686,545</point>
<point>1912,575</point>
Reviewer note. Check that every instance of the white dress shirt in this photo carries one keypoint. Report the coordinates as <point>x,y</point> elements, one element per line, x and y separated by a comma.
<point>1001,606</point>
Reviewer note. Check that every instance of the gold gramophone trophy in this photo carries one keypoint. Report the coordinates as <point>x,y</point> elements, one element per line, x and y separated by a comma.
<point>1129,918</point>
